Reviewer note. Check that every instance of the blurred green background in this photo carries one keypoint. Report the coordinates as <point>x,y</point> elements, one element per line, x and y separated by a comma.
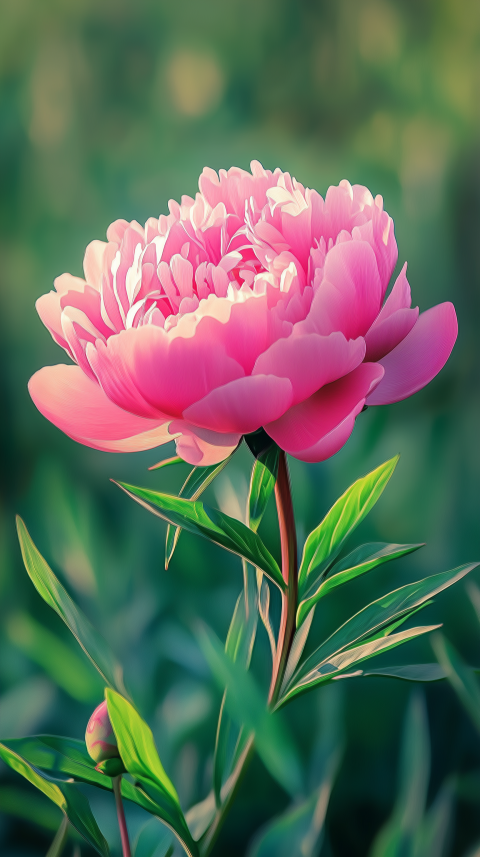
<point>108,109</point>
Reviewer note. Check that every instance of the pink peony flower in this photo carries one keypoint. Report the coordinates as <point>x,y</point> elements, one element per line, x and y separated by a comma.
<point>258,304</point>
<point>100,737</point>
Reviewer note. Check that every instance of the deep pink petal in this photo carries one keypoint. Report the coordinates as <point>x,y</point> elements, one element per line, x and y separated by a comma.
<point>385,336</point>
<point>80,408</point>
<point>243,405</point>
<point>325,420</point>
<point>348,298</point>
<point>310,361</point>
<point>419,357</point>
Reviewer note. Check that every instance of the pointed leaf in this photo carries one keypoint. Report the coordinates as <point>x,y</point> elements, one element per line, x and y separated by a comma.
<point>167,462</point>
<point>56,596</point>
<point>67,758</point>
<point>247,707</point>
<point>325,542</point>
<point>139,755</point>
<point>381,613</point>
<point>195,484</point>
<point>410,672</point>
<point>202,520</point>
<point>262,484</point>
<point>398,835</point>
<point>358,562</point>
<point>337,664</point>
<point>72,802</point>
<point>154,840</point>
<point>460,676</point>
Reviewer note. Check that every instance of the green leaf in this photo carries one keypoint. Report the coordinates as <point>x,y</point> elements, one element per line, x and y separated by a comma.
<point>45,648</point>
<point>360,561</point>
<point>410,672</point>
<point>326,541</point>
<point>371,620</point>
<point>342,661</point>
<point>262,484</point>
<point>153,840</point>
<point>72,802</point>
<point>432,839</point>
<point>398,835</point>
<point>167,462</point>
<point>299,830</point>
<point>139,755</point>
<point>460,676</point>
<point>56,596</point>
<point>247,707</point>
<point>195,484</point>
<point>67,758</point>
<point>202,520</point>
<point>238,647</point>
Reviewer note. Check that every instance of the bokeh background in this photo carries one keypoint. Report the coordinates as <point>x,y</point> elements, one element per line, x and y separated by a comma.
<point>108,109</point>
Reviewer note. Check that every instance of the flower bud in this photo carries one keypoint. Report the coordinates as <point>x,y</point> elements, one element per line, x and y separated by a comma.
<point>100,737</point>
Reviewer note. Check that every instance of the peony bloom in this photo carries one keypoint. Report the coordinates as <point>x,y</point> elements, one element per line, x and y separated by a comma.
<point>258,304</point>
<point>99,737</point>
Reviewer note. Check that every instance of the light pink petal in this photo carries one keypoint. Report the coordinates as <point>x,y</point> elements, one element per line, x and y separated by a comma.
<point>93,263</point>
<point>243,405</point>
<point>310,361</point>
<point>50,312</point>
<point>419,357</point>
<point>319,426</point>
<point>80,408</point>
<point>348,298</point>
<point>150,373</point>
<point>202,447</point>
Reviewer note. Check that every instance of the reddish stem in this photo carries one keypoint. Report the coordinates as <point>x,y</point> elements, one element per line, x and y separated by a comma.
<point>288,541</point>
<point>122,823</point>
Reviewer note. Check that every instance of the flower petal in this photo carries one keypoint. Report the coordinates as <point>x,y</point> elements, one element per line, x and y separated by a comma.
<point>349,297</point>
<point>202,447</point>
<point>310,361</point>
<point>79,407</point>
<point>318,427</point>
<point>243,405</point>
<point>419,357</point>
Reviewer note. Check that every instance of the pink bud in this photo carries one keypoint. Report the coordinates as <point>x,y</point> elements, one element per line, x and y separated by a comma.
<point>99,737</point>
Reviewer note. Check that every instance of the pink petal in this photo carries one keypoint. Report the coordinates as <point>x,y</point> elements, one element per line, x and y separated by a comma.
<point>419,357</point>
<point>149,372</point>
<point>386,335</point>
<point>93,263</point>
<point>80,408</point>
<point>317,428</point>
<point>349,296</point>
<point>310,361</point>
<point>242,405</point>
<point>202,447</point>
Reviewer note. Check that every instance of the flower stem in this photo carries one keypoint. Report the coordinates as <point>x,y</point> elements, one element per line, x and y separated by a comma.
<point>232,785</point>
<point>117,790</point>
<point>61,836</point>
<point>288,541</point>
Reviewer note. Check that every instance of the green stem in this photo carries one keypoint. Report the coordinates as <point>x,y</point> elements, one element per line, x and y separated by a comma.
<point>288,541</point>
<point>122,823</point>
<point>208,841</point>
<point>60,839</point>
